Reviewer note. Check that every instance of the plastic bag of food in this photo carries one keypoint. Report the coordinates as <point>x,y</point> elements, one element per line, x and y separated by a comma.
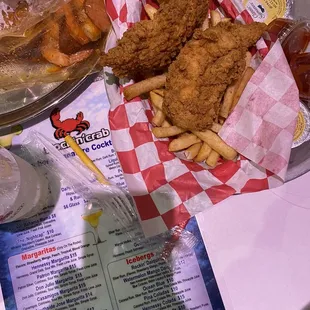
<point>17,17</point>
<point>50,41</point>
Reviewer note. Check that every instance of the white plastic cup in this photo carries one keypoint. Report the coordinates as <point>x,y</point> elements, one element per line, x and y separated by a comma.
<point>23,191</point>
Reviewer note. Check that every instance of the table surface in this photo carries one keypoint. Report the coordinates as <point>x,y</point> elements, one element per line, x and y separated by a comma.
<point>259,247</point>
<point>258,244</point>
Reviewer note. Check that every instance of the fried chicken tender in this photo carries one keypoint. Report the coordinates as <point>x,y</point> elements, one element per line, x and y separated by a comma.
<point>151,45</point>
<point>197,80</point>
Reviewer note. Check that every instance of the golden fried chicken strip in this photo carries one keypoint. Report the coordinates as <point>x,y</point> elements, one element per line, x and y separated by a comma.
<point>197,80</point>
<point>151,45</point>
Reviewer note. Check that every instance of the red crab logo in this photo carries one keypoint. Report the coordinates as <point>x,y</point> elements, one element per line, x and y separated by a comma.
<point>64,128</point>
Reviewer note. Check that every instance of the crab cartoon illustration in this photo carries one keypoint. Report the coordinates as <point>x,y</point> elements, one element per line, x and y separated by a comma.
<point>64,128</point>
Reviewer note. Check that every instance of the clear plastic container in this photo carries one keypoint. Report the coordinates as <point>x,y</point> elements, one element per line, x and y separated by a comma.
<point>23,191</point>
<point>295,39</point>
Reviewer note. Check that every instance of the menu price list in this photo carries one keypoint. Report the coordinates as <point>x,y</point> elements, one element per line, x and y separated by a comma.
<point>37,231</point>
<point>65,275</point>
<point>146,282</point>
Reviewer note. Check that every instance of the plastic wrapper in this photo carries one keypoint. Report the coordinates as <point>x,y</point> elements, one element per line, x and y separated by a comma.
<point>170,245</point>
<point>179,242</point>
<point>100,198</point>
<point>50,41</point>
<point>110,199</point>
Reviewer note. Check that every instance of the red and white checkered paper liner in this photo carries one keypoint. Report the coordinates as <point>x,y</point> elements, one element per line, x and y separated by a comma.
<point>167,189</point>
<point>263,123</point>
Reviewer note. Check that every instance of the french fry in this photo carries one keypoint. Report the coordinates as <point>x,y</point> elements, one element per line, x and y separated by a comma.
<point>216,143</point>
<point>204,152</point>
<point>159,91</point>
<point>86,160</point>
<point>183,142</point>
<point>150,11</point>
<point>144,86</point>
<point>216,127</point>
<point>165,132</point>
<point>166,124</point>
<point>193,150</point>
<point>157,100</point>
<point>228,100</point>
<point>230,92</point>
<point>215,18</point>
<point>225,20</point>
<point>205,24</point>
<point>158,118</point>
<point>213,159</point>
<point>248,57</point>
<point>248,73</point>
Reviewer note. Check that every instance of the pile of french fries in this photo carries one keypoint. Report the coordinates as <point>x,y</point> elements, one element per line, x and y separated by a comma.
<point>199,146</point>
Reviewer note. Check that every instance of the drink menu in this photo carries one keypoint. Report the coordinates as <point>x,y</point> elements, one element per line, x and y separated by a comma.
<point>67,258</point>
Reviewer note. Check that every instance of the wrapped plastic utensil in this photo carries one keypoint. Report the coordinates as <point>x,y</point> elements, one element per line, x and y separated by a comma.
<point>111,199</point>
<point>100,198</point>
